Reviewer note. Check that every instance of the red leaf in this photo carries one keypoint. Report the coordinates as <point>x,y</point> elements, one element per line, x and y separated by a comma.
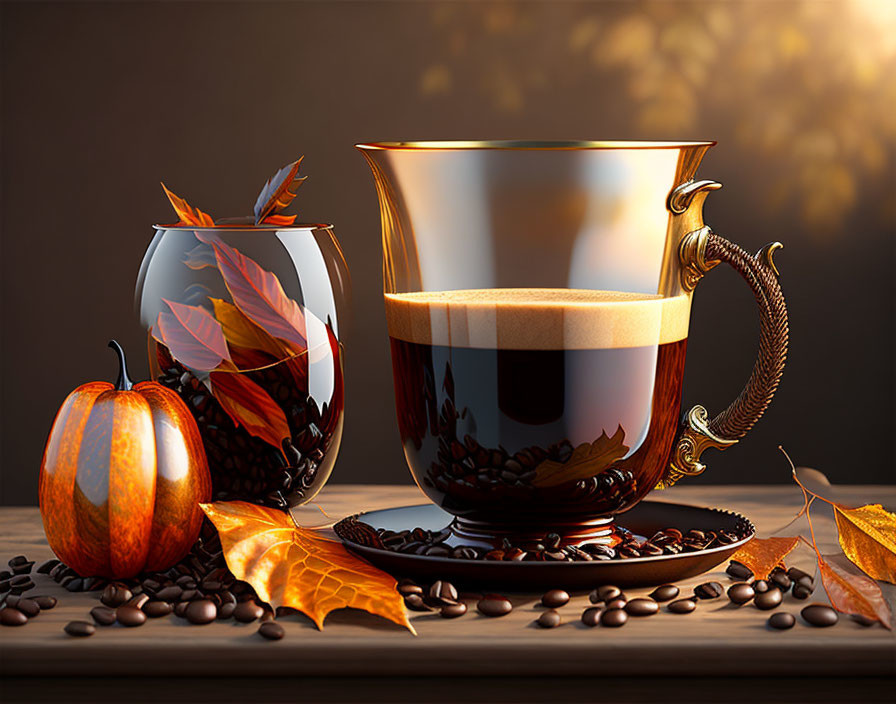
<point>279,220</point>
<point>187,215</point>
<point>192,335</point>
<point>279,191</point>
<point>249,405</point>
<point>258,293</point>
<point>852,592</point>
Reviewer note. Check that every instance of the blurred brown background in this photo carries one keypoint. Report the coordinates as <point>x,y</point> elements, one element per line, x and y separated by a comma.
<point>100,101</point>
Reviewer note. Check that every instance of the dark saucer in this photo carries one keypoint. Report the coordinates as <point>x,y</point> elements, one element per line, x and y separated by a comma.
<point>644,519</point>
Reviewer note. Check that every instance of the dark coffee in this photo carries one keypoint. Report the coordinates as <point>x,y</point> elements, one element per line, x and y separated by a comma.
<point>528,406</point>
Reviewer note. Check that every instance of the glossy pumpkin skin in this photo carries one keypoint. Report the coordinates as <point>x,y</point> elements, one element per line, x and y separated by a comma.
<point>121,480</point>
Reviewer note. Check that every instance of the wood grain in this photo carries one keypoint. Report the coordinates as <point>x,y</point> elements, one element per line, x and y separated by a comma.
<point>719,640</point>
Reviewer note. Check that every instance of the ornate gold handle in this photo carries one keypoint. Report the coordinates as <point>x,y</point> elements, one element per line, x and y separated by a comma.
<point>700,251</point>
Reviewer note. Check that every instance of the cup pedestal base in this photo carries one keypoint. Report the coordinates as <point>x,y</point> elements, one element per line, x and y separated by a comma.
<point>528,536</point>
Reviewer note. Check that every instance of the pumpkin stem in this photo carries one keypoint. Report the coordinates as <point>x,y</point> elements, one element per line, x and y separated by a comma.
<point>123,383</point>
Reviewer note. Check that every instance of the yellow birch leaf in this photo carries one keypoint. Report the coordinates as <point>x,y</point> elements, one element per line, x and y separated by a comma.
<point>868,538</point>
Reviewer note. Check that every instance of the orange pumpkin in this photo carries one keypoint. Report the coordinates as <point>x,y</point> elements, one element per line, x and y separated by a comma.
<point>122,477</point>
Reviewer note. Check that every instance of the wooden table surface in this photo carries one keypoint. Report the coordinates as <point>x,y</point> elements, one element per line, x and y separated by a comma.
<point>718,641</point>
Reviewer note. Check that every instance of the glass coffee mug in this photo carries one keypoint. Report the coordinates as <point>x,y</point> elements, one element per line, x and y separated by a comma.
<point>538,298</point>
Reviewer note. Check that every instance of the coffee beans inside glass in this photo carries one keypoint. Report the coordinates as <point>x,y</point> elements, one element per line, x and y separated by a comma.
<point>537,303</point>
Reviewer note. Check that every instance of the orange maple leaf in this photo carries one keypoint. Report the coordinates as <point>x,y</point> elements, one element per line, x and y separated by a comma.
<point>288,565</point>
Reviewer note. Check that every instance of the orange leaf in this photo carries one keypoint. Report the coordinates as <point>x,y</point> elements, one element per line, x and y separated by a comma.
<point>249,405</point>
<point>193,336</point>
<point>868,538</point>
<point>587,460</point>
<point>292,566</point>
<point>279,191</point>
<point>258,294</point>
<point>762,555</point>
<point>279,220</point>
<point>853,592</point>
<point>242,332</point>
<point>186,213</point>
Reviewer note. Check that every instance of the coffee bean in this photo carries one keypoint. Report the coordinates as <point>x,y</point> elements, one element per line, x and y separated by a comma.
<point>768,600</point>
<point>801,591</point>
<point>201,612</point>
<point>75,584</point>
<point>666,592</point>
<point>28,607</point>
<point>271,630</point>
<point>760,586</point>
<point>189,595</point>
<point>103,615</point>
<point>708,590</point>
<point>820,615</point>
<point>180,608</point>
<point>617,603</point>
<point>17,560</point>
<point>156,609</point>
<point>796,574</point>
<point>20,584</point>
<point>779,578</point>
<point>613,618</point>
<point>4,586</point>
<point>740,593</point>
<point>494,605</point>
<point>591,616</point>
<point>138,601</point>
<point>80,629</point>
<point>408,589</point>
<point>267,614</point>
<point>555,598</point>
<point>607,593</point>
<point>442,593</point>
<point>247,611</point>
<point>45,602</point>
<point>171,593</point>
<point>225,611</point>
<point>453,610</point>
<point>415,602</point>
<point>115,595</point>
<point>549,619</point>
<point>641,607</point>
<point>739,571</point>
<point>682,606</point>
<point>781,620</point>
<point>130,616</point>
<point>10,616</point>
<point>47,566</point>
<point>863,620</point>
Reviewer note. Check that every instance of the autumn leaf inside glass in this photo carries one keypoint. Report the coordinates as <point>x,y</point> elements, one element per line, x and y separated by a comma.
<point>228,344</point>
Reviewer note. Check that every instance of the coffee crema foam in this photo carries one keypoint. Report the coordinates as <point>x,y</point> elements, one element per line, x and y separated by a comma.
<point>537,318</point>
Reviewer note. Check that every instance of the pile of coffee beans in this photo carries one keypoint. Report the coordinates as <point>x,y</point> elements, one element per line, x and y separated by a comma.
<point>199,589</point>
<point>244,467</point>
<point>464,465</point>
<point>420,541</point>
